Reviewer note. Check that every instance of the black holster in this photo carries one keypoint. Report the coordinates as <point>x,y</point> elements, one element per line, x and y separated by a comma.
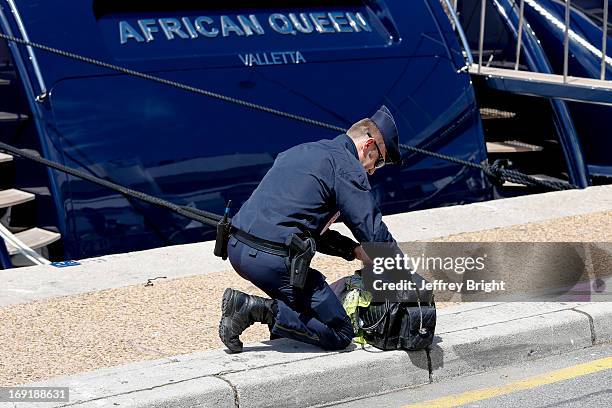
<point>301,252</point>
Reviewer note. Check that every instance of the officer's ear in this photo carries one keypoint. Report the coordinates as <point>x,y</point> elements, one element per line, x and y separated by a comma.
<point>369,142</point>
<point>364,147</point>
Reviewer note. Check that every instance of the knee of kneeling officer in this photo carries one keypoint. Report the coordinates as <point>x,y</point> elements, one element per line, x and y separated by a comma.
<point>342,339</point>
<point>339,344</point>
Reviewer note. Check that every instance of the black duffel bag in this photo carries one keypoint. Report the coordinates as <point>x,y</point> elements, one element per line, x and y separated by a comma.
<point>395,325</point>
<point>408,323</point>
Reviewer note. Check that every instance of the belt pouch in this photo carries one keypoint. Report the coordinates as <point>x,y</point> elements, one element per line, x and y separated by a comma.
<point>223,233</point>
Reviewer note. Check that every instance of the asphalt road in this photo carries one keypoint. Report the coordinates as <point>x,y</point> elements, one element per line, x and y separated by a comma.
<point>579,379</point>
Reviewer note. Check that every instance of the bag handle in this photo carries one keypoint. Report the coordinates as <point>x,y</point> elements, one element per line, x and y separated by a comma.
<point>375,325</point>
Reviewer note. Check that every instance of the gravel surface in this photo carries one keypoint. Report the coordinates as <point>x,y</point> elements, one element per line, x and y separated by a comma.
<point>72,334</point>
<point>596,227</point>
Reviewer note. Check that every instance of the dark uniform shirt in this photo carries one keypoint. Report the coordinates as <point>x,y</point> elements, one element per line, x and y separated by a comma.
<point>307,185</point>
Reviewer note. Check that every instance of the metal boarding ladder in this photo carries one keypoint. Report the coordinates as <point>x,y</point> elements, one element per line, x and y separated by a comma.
<point>21,246</point>
<point>504,146</point>
<point>598,91</point>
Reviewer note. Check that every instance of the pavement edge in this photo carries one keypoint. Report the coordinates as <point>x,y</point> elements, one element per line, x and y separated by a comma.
<point>357,373</point>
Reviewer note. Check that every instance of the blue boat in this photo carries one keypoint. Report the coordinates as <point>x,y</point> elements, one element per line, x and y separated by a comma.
<point>331,61</point>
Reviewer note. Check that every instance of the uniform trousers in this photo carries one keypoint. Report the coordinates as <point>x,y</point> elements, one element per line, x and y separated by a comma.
<point>312,315</point>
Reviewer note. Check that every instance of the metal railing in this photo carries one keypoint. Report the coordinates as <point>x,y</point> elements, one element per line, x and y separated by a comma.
<point>566,40</point>
<point>483,17</point>
<point>604,41</point>
<point>567,33</point>
<point>451,6</point>
<point>519,35</point>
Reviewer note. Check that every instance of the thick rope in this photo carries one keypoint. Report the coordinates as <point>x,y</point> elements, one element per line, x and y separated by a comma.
<point>204,217</point>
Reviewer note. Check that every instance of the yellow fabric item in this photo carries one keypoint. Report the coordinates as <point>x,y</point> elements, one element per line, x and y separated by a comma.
<point>354,297</point>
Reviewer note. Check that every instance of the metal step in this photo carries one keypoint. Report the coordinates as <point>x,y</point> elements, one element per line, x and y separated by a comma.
<point>546,85</point>
<point>11,197</point>
<point>492,113</point>
<point>12,117</point>
<point>34,238</point>
<point>512,146</point>
<point>4,82</point>
<point>5,157</point>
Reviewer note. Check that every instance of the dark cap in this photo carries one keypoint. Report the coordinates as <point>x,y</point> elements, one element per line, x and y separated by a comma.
<point>386,124</point>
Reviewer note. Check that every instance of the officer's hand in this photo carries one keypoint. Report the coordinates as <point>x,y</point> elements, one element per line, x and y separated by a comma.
<point>362,256</point>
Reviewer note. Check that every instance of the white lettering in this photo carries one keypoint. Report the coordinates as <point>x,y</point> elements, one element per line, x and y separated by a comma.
<point>415,264</point>
<point>377,265</point>
<point>147,30</point>
<point>321,23</point>
<point>377,284</point>
<point>250,25</point>
<point>171,26</point>
<point>244,59</point>
<point>200,22</point>
<point>245,25</point>
<point>402,285</point>
<point>281,24</point>
<point>358,22</point>
<point>276,58</point>
<point>485,286</point>
<point>340,22</point>
<point>189,27</point>
<point>440,285</point>
<point>126,31</point>
<point>302,24</point>
<point>227,26</point>
<point>480,262</point>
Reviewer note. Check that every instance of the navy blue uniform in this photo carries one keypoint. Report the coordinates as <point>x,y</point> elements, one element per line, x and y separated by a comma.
<point>307,185</point>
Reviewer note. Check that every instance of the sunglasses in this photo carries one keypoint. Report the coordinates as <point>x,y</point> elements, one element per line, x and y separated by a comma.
<point>380,161</point>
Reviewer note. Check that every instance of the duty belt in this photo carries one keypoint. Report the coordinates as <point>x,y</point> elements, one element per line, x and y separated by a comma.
<point>270,247</point>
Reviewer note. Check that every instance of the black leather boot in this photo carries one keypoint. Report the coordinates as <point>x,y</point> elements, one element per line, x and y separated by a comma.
<point>239,311</point>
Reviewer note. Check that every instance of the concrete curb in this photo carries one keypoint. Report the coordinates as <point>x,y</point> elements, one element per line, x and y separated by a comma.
<point>471,338</point>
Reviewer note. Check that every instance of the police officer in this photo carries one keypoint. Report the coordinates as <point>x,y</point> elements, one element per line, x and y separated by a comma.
<point>303,193</point>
